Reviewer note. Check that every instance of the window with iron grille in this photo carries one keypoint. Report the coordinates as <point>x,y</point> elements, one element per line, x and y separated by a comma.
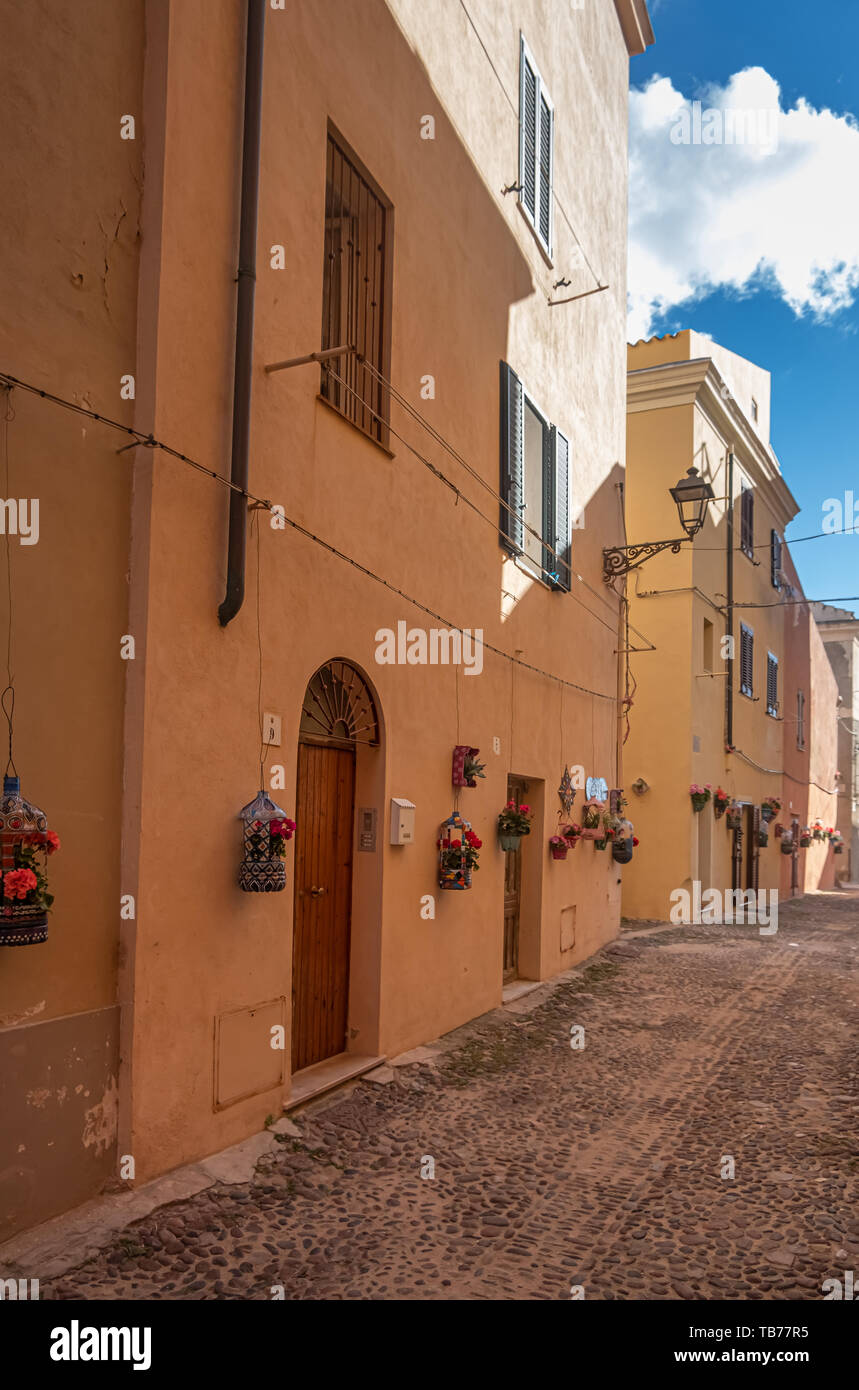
<point>747,521</point>
<point>355,295</point>
<point>535,484</point>
<point>800,719</point>
<point>775,559</point>
<point>536,141</point>
<point>747,660</point>
<point>772,684</point>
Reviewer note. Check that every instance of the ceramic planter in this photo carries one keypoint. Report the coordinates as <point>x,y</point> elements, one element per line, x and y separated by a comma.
<point>559,851</point>
<point>767,814</point>
<point>455,881</point>
<point>600,844</point>
<point>621,850</point>
<point>786,846</point>
<point>805,841</point>
<point>763,839</point>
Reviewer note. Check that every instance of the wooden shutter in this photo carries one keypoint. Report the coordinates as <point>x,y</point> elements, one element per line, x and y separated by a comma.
<point>775,559</point>
<point>558,533</point>
<point>528,121</point>
<point>772,684</point>
<point>512,461</point>
<point>747,521</point>
<point>800,719</point>
<point>747,660</point>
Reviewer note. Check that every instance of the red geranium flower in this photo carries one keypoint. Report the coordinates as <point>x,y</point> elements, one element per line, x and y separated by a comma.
<point>18,883</point>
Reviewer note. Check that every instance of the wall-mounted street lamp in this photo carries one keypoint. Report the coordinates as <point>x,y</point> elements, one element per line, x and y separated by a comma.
<point>691,495</point>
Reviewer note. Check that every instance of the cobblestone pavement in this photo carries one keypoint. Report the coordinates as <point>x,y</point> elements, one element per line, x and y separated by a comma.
<point>553,1167</point>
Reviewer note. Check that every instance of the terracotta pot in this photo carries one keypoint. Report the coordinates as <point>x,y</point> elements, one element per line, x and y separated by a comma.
<point>559,851</point>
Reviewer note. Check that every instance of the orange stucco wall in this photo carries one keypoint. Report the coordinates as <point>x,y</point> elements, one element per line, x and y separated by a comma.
<point>469,288</point>
<point>69,228</point>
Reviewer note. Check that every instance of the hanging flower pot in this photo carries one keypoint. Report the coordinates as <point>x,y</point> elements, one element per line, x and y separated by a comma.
<point>786,846</point>
<point>838,847</point>
<point>805,838</point>
<point>770,806</point>
<point>25,843</point>
<point>720,803</point>
<point>513,822</point>
<point>458,854</point>
<point>559,847</point>
<point>763,837</point>
<point>601,843</point>
<point>700,796</point>
<point>571,834</point>
<point>734,817</point>
<point>622,847</point>
<point>266,832</point>
<point>466,766</point>
<point>592,820</point>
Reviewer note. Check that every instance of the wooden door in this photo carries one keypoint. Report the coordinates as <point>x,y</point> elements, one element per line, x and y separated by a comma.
<point>323,901</point>
<point>752,821</point>
<point>512,891</point>
<point>794,858</point>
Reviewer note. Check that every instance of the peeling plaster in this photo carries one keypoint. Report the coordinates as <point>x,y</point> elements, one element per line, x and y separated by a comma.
<point>100,1120</point>
<point>12,1020</point>
<point>38,1098</point>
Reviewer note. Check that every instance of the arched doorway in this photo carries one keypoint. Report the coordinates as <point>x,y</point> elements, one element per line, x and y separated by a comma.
<point>338,715</point>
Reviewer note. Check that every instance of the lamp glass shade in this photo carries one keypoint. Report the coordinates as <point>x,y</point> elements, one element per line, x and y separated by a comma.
<point>691,495</point>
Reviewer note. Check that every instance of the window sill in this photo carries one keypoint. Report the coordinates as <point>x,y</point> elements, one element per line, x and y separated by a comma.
<point>322,400</point>
<point>747,694</point>
<point>547,255</point>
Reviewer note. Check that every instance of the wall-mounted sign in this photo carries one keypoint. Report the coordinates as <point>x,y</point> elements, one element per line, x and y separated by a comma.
<point>596,789</point>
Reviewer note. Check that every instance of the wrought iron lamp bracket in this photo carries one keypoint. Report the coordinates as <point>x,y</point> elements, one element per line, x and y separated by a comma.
<point>620,559</point>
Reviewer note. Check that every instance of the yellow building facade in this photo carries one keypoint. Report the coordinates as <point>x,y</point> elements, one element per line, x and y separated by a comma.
<point>709,705</point>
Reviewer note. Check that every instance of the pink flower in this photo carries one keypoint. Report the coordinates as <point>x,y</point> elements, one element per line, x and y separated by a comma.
<point>524,810</point>
<point>18,883</point>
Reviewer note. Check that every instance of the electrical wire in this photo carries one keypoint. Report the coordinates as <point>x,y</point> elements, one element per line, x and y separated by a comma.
<point>149,441</point>
<point>461,497</point>
<point>780,772</point>
<point>405,404</point>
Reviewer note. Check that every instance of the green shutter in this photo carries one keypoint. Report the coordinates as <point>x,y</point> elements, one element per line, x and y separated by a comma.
<point>512,461</point>
<point>559,534</point>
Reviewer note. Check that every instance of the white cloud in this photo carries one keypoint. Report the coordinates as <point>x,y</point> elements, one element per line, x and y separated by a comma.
<point>783,211</point>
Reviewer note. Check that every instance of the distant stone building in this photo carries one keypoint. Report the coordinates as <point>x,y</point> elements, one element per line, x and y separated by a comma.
<point>839,629</point>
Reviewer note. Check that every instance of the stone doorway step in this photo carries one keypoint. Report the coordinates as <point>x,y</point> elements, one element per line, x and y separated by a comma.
<point>324,1076</point>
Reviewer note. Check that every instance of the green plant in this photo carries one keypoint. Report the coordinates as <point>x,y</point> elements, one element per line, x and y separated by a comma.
<point>514,820</point>
<point>473,768</point>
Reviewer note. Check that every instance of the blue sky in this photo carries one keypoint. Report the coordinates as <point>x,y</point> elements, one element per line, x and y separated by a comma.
<point>767,243</point>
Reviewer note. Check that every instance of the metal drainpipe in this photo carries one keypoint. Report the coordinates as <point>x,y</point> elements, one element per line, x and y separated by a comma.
<point>729,615</point>
<point>237,543</point>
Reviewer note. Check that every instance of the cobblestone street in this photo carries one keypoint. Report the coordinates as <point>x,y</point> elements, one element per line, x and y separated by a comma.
<point>554,1167</point>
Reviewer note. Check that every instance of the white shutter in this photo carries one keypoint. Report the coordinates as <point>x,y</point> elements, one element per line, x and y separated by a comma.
<point>544,225</point>
<point>528,109</point>
<point>536,141</point>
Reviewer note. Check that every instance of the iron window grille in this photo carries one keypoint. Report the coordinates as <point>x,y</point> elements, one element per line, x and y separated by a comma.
<point>355,294</point>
